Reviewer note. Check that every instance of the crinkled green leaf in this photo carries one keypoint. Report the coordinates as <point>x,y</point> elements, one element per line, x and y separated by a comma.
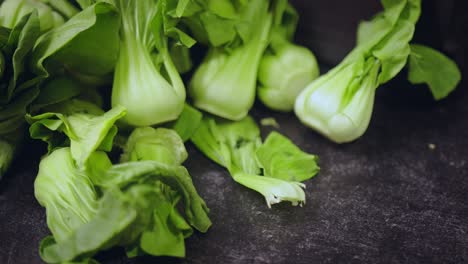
<point>86,132</point>
<point>281,159</point>
<point>230,144</point>
<point>177,177</point>
<point>372,32</point>
<point>273,189</point>
<point>161,144</point>
<point>115,215</point>
<point>167,235</point>
<point>237,146</point>
<point>66,192</point>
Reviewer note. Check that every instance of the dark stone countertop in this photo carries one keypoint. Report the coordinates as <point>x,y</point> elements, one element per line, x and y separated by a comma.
<point>386,198</point>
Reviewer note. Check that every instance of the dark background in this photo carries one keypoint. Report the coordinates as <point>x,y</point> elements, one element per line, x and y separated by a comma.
<point>386,198</point>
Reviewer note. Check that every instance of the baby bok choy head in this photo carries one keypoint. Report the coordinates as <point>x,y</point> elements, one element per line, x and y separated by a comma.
<point>284,72</point>
<point>146,81</point>
<point>339,105</point>
<point>286,68</point>
<point>225,82</point>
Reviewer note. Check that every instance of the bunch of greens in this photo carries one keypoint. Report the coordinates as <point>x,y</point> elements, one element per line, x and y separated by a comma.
<point>339,104</point>
<point>93,205</point>
<point>135,203</point>
<point>112,179</point>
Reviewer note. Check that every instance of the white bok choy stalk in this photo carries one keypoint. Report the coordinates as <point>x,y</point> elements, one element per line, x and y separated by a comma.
<point>146,81</point>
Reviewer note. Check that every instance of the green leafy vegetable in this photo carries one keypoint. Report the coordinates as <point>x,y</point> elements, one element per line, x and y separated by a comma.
<point>177,177</point>
<point>225,82</point>
<point>146,81</point>
<point>134,204</point>
<point>65,7</point>
<point>85,132</point>
<point>66,192</point>
<point>211,22</point>
<point>280,158</point>
<point>162,145</point>
<point>11,12</point>
<point>429,66</point>
<point>92,35</point>
<point>17,88</point>
<point>237,146</point>
<point>187,123</point>
<point>339,104</point>
<point>286,68</point>
<point>170,228</point>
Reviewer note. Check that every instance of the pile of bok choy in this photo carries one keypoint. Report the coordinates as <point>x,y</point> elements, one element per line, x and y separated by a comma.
<point>100,82</point>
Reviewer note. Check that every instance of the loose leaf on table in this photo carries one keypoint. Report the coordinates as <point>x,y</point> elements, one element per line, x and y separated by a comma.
<point>238,147</point>
<point>280,158</point>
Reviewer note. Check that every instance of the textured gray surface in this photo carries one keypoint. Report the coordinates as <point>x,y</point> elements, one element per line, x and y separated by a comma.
<point>387,198</point>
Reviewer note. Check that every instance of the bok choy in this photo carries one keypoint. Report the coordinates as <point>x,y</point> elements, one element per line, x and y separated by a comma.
<point>146,81</point>
<point>339,104</point>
